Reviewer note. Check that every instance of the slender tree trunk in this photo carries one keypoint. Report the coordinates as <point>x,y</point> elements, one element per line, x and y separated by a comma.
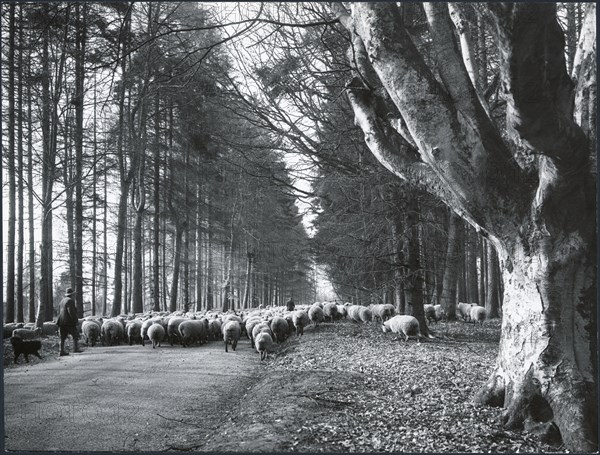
<point>10,257</point>
<point>21,228</point>
<point>105,240</point>
<point>176,267</point>
<point>199,255</point>
<point>94,207</point>
<point>32,286</point>
<point>451,269</point>
<point>156,242</point>
<point>415,265</point>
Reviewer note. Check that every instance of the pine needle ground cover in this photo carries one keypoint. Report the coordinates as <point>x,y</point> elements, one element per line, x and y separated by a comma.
<point>347,387</point>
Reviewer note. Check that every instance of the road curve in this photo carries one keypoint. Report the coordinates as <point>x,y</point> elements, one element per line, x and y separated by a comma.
<point>130,398</point>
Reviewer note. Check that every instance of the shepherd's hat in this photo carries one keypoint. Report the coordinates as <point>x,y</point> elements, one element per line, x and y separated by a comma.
<point>69,292</point>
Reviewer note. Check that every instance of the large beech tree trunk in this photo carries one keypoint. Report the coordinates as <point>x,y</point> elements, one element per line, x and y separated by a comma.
<point>437,135</point>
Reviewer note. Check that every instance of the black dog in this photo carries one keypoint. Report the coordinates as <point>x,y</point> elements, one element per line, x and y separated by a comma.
<point>26,347</point>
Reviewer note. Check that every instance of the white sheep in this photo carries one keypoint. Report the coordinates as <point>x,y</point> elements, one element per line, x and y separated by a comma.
<point>300,319</point>
<point>156,333</point>
<point>464,311</point>
<point>232,330</point>
<point>91,332</point>
<point>403,324</point>
<point>330,310</point>
<point>280,328</point>
<point>365,314</point>
<point>192,331</point>
<point>133,329</point>
<point>263,344</point>
<point>316,315</point>
<point>478,314</point>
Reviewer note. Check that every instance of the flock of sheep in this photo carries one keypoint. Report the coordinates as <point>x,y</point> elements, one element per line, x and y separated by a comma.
<point>264,327</point>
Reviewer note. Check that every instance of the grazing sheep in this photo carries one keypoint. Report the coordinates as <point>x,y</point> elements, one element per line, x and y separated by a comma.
<point>263,344</point>
<point>232,330</point>
<point>478,314</point>
<point>365,314</point>
<point>280,329</point>
<point>111,332</point>
<point>91,332</point>
<point>133,329</point>
<point>464,311</point>
<point>290,320</point>
<point>330,310</point>
<point>262,327</point>
<point>354,313</point>
<point>341,312</point>
<point>403,324</point>
<point>25,347</point>
<point>173,328</point>
<point>192,331</point>
<point>300,319</point>
<point>50,328</point>
<point>382,311</point>
<point>27,334</point>
<point>319,304</point>
<point>316,315</point>
<point>430,313</point>
<point>250,324</point>
<point>156,333</point>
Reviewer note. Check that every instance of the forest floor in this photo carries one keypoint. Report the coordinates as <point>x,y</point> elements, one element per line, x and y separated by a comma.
<point>342,387</point>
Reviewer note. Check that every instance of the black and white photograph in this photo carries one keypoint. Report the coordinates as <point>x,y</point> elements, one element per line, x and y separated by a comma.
<point>337,227</point>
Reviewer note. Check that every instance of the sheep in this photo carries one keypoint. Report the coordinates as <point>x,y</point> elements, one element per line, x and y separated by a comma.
<point>319,304</point>
<point>156,333</point>
<point>250,324</point>
<point>50,328</point>
<point>192,331</point>
<point>232,317</point>
<point>353,313</point>
<point>316,315</point>
<point>134,330</point>
<point>91,332</point>
<point>110,332</point>
<point>478,314</point>
<point>173,328</point>
<point>430,313</point>
<point>383,311</point>
<point>365,314</point>
<point>214,329</point>
<point>330,310</point>
<point>403,324</point>
<point>341,312</point>
<point>290,320</point>
<point>263,344</point>
<point>262,327</point>
<point>25,347</point>
<point>464,311</point>
<point>300,318</point>
<point>27,334</point>
<point>232,330</point>
<point>146,325</point>
<point>280,329</point>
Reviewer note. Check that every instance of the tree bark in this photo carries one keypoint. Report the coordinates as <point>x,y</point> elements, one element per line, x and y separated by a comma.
<point>80,39</point>
<point>12,217</point>
<point>544,228</point>
<point>451,270</point>
<point>32,286</point>
<point>492,304</point>
<point>20,228</point>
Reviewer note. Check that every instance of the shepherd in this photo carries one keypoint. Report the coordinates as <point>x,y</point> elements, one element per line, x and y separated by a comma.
<point>67,322</point>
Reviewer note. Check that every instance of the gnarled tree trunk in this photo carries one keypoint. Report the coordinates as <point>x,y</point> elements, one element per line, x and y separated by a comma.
<point>542,224</point>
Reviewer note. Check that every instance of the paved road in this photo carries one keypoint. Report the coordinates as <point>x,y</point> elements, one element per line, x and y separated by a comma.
<point>126,398</point>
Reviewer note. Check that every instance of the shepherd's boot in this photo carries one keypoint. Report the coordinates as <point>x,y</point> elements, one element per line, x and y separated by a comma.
<point>62,348</point>
<point>76,346</point>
